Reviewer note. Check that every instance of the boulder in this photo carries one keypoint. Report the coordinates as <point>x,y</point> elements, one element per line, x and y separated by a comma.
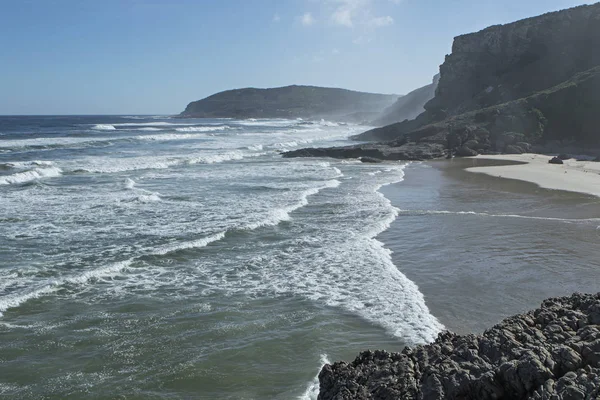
<point>549,353</point>
<point>556,160</point>
<point>370,160</point>
<point>513,149</point>
<point>524,145</point>
<point>464,151</point>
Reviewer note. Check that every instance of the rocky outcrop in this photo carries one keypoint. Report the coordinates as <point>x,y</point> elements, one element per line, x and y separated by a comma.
<point>291,102</point>
<point>408,107</point>
<point>550,353</point>
<point>566,113</point>
<point>538,78</point>
<point>507,62</point>
<point>407,151</point>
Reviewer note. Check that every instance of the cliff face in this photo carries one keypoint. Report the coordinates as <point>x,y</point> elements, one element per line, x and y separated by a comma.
<point>291,102</point>
<point>508,62</point>
<point>409,106</point>
<point>543,66</point>
<point>550,353</point>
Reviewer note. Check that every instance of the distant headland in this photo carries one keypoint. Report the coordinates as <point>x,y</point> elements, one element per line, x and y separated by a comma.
<point>309,102</point>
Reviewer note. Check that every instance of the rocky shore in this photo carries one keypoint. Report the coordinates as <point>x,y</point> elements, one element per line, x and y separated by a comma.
<point>550,353</point>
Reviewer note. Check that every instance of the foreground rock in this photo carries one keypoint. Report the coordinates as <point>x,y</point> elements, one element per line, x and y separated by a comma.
<point>550,353</point>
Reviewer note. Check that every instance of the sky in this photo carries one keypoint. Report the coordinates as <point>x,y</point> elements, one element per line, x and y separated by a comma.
<point>66,57</point>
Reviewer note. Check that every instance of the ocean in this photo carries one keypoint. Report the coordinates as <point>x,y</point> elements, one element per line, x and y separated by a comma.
<point>148,257</point>
<point>152,257</point>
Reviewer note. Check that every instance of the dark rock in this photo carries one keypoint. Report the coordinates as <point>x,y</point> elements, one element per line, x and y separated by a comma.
<point>407,151</point>
<point>549,353</point>
<point>564,156</point>
<point>464,151</point>
<point>370,160</point>
<point>524,145</point>
<point>472,144</point>
<point>513,149</point>
<point>556,160</point>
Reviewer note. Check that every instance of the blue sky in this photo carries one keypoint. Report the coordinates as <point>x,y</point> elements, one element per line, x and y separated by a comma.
<point>155,56</point>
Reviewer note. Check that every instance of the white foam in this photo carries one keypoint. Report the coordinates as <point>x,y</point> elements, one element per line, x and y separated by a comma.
<point>312,390</point>
<point>283,214</point>
<point>189,245</point>
<point>53,285</point>
<point>148,198</point>
<point>222,157</point>
<point>148,129</point>
<point>202,128</point>
<point>166,137</point>
<point>162,123</point>
<point>328,123</point>
<point>337,262</point>
<point>114,165</point>
<point>268,122</point>
<point>103,127</point>
<point>129,183</point>
<point>31,175</point>
<point>29,164</point>
<point>484,214</point>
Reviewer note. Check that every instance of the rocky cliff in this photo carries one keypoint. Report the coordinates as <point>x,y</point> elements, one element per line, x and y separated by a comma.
<point>550,353</point>
<point>532,84</point>
<point>508,62</point>
<point>409,106</point>
<point>291,102</point>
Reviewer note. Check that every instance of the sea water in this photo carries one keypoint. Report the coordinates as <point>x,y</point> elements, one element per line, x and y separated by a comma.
<point>154,257</point>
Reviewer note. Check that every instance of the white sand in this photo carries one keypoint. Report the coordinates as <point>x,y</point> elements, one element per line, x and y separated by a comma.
<point>572,176</point>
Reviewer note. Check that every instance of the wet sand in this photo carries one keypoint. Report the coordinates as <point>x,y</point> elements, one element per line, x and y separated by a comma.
<point>482,248</point>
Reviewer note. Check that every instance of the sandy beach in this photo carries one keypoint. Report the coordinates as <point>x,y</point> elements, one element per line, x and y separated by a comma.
<point>573,175</point>
<point>502,244</point>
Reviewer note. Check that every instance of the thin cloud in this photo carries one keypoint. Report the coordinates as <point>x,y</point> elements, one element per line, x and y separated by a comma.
<point>276,18</point>
<point>307,19</point>
<point>380,21</point>
<point>353,13</point>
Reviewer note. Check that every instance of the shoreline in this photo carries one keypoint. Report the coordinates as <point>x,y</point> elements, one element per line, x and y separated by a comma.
<point>439,199</point>
<point>572,176</point>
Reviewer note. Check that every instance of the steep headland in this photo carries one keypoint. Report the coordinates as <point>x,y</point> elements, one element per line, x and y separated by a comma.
<point>549,353</point>
<point>408,107</point>
<point>511,88</point>
<point>291,102</point>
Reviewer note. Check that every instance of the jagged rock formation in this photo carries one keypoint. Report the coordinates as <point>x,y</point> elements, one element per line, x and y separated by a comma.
<point>550,353</point>
<point>291,102</point>
<point>530,85</point>
<point>408,107</point>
